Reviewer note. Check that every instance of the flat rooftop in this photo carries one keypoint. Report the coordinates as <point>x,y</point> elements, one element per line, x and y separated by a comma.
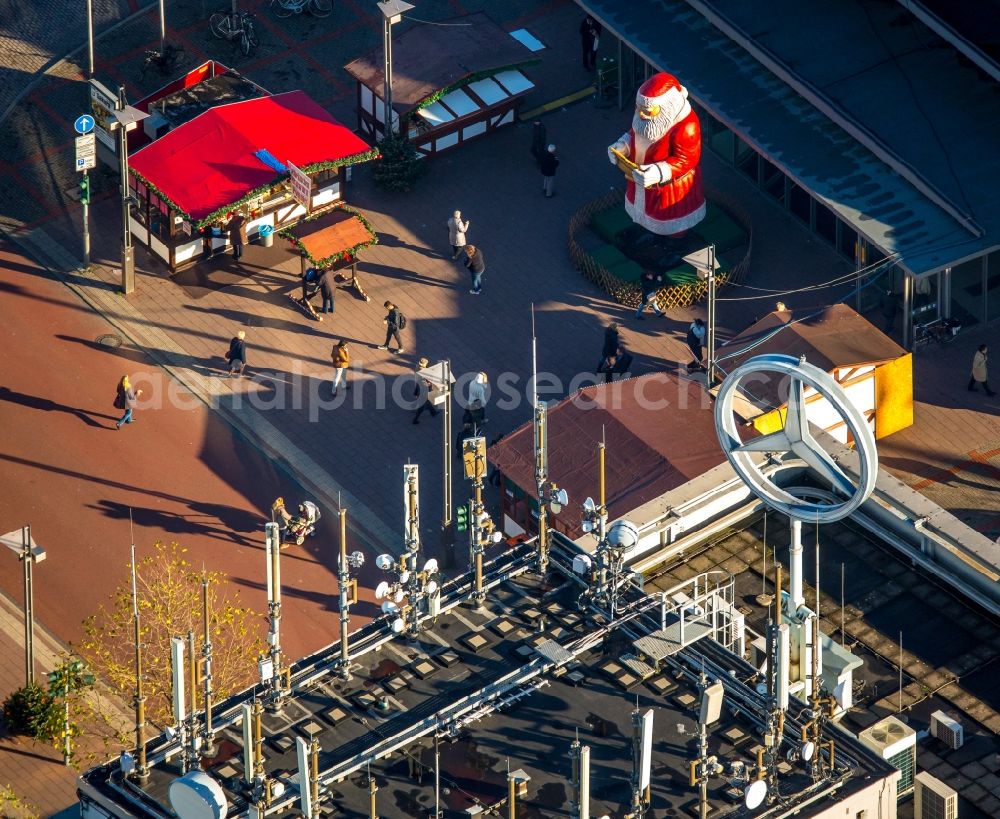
<point>949,648</point>
<point>513,682</point>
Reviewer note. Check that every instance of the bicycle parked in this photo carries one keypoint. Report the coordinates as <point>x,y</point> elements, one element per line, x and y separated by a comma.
<point>317,8</point>
<point>163,61</point>
<point>942,331</point>
<point>235,26</point>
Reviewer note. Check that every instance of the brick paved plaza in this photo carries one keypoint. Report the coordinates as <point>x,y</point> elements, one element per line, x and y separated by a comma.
<point>356,450</point>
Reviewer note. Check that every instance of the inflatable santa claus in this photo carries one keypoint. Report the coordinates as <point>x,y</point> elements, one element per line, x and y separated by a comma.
<point>660,156</point>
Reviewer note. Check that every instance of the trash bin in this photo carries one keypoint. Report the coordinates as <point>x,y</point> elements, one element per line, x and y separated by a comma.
<point>266,235</point>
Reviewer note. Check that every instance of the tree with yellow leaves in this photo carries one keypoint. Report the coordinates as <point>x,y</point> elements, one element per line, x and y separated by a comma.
<point>169,596</point>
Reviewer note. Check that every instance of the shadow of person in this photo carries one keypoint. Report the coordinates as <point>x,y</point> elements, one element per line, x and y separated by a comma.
<point>47,405</point>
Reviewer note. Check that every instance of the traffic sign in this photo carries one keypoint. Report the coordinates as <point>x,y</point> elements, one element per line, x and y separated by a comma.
<point>86,152</point>
<point>84,124</point>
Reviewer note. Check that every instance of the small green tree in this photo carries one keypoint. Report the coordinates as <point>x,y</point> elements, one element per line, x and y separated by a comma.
<point>400,167</point>
<point>32,711</point>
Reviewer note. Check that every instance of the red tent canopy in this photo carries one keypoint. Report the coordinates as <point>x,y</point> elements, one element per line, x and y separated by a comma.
<point>208,163</point>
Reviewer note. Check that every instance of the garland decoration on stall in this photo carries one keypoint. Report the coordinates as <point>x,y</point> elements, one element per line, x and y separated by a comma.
<point>324,263</point>
<point>220,214</point>
<point>471,78</point>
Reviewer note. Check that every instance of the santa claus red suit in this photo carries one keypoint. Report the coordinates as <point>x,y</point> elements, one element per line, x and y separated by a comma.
<point>664,193</point>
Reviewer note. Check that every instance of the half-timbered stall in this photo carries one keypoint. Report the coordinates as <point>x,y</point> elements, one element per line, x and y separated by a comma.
<point>450,83</point>
<point>272,159</point>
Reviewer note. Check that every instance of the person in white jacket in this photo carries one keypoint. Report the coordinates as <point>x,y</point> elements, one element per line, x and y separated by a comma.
<point>456,233</point>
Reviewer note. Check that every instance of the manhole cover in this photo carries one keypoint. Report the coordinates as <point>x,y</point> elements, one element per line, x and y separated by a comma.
<point>110,340</point>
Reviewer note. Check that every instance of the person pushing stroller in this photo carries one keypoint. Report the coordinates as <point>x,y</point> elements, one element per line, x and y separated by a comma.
<point>295,528</point>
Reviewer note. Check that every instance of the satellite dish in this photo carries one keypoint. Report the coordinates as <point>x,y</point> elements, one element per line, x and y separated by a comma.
<point>587,526</point>
<point>431,566</point>
<point>404,576</point>
<point>762,689</point>
<point>496,537</point>
<point>554,506</point>
<point>561,497</point>
<point>623,534</point>
<point>432,586</point>
<point>358,559</point>
<point>382,590</point>
<point>755,794</point>
<point>589,506</point>
<point>388,607</point>
<point>399,595</point>
<point>197,796</point>
<point>383,561</point>
<point>807,751</point>
<point>398,625</point>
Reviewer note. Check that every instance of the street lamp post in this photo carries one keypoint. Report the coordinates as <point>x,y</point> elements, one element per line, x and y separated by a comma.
<point>704,262</point>
<point>28,552</point>
<point>392,12</point>
<point>127,119</point>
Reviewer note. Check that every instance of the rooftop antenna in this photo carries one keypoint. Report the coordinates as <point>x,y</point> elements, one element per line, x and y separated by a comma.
<point>308,759</point>
<point>270,665</point>
<point>348,590</point>
<point>437,767</point>
<point>541,441</point>
<point>705,766</point>
<point>177,687</point>
<point>208,738</point>
<point>642,746</point>
<point>764,599</point>
<point>193,737</point>
<point>482,531</point>
<point>511,793</point>
<point>372,790</point>
<point>141,768</point>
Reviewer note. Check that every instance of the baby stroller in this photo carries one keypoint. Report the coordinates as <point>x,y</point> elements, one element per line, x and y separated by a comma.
<point>296,528</point>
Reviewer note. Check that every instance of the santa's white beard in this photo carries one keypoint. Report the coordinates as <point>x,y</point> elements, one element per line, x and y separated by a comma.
<point>651,130</point>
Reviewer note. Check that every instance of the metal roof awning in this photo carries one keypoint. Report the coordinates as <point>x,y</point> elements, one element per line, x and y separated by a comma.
<point>724,73</point>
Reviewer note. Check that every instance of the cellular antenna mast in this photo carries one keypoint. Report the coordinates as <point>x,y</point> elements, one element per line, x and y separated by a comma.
<point>541,428</point>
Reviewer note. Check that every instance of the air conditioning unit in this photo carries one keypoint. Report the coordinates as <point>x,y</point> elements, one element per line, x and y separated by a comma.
<point>155,125</point>
<point>948,730</point>
<point>896,743</point>
<point>933,799</point>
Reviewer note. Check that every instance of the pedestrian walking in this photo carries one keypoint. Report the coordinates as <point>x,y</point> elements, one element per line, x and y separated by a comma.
<point>456,233</point>
<point>590,39</point>
<point>548,163</point>
<point>979,372</point>
<point>650,283</point>
<point>328,288</point>
<point>394,322</point>
<point>236,355</point>
<point>125,398</point>
<point>623,363</point>
<point>476,262</point>
<point>422,384</point>
<point>341,361</point>
<point>696,343</point>
<point>611,340</point>
<point>889,306</point>
<point>606,367</point>
<point>237,233</point>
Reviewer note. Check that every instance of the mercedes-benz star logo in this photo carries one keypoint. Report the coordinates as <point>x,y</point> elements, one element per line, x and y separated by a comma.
<point>796,438</point>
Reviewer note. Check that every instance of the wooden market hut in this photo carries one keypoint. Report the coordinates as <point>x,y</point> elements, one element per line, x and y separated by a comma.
<point>450,83</point>
<point>874,371</point>
<point>236,156</point>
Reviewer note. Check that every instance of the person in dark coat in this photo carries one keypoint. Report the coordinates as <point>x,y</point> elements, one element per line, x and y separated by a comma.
<point>650,283</point>
<point>125,399</point>
<point>590,32</point>
<point>611,340</point>
<point>328,287</point>
<point>392,327</point>
<point>889,306</point>
<point>237,233</point>
<point>623,363</point>
<point>422,384</point>
<point>548,163</point>
<point>237,354</point>
<point>476,263</point>
<point>696,343</point>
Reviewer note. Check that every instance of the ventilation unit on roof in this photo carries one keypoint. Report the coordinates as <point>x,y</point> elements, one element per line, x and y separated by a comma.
<point>933,799</point>
<point>896,743</point>
<point>948,730</point>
